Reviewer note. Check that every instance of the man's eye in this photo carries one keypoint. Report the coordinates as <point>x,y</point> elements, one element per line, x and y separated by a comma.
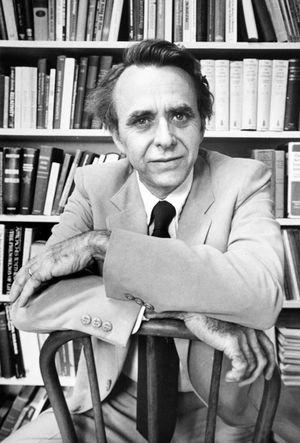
<point>142,122</point>
<point>180,117</point>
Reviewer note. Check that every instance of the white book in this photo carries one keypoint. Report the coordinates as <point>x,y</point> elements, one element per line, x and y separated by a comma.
<point>26,95</point>
<point>18,96</point>
<point>250,20</point>
<point>169,20</point>
<point>115,20</point>
<point>278,94</point>
<point>2,250</point>
<point>68,19</point>
<point>264,94</point>
<point>33,96</point>
<point>222,95</point>
<point>186,19</point>
<point>208,69</point>
<point>28,236</point>
<point>31,354</point>
<point>249,102</point>
<point>51,97</point>
<point>293,188</point>
<point>152,19</point>
<point>10,19</point>
<point>235,95</point>
<point>231,21</point>
<point>59,21</point>
<point>146,15</point>
<point>6,101</point>
<point>53,178</point>
<point>67,93</point>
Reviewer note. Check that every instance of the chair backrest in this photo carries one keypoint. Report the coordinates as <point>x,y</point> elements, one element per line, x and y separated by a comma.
<point>152,330</point>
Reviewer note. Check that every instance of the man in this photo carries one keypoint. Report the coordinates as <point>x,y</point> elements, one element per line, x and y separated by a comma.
<point>222,265</point>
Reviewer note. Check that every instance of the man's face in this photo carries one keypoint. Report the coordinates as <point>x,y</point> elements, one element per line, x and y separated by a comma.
<point>159,125</point>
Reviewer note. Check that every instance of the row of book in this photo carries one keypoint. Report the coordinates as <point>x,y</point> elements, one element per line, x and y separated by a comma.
<point>39,180</point>
<point>51,97</point>
<point>60,20</point>
<point>254,94</point>
<point>21,408</point>
<point>178,20</point>
<point>288,344</point>
<point>283,162</point>
<point>291,242</point>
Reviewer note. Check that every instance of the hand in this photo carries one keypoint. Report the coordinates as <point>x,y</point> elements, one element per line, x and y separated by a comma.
<point>64,258</point>
<point>250,350</point>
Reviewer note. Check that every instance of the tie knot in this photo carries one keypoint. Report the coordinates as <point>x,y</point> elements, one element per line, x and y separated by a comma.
<point>162,214</point>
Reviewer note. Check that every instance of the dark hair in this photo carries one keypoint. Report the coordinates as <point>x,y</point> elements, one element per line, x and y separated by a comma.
<point>149,52</point>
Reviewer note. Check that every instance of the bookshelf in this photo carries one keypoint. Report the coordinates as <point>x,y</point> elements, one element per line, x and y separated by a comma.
<point>236,143</point>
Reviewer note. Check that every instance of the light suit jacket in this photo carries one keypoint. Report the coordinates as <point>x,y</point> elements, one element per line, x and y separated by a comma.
<point>227,262</point>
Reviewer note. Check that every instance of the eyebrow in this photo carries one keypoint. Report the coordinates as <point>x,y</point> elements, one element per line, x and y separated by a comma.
<point>147,112</point>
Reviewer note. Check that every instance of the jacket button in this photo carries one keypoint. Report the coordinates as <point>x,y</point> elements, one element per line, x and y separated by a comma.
<point>107,326</point>
<point>108,384</point>
<point>149,307</point>
<point>86,319</point>
<point>139,301</point>
<point>96,322</point>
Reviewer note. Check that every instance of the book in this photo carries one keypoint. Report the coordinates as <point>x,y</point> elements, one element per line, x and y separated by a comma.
<point>27,240</point>
<point>31,351</point>
<point>22,398</point>
<point>51,20</point>
<point>210,20</point>
<point>235,94</point>
<point>201,24</point>
<point>292,103</point>
<point>6,362</point>
<point>267,156</point>
<point>9,243</point>
<point>25,97</point>
<point>247,24</point>
<point>292,272</point>
<point>91,13</point>
<point>6,101</point>
<point>33,408</point>
<point>106,62</point>
<point>263,20</point>
<point>41,94</point>
<point>2,263</point>
<point>12,161</point>
<point>10,19</point>
<point>293,188</point>
<point>50,99</point>
<point>69,181</point>
<point>80,93</point>
<point>280,173</point>
<point>66,165</point>
<point>59,80</point>
<point>264,84</point>
<point>2,93</point>
<point>51,188</point>
<point>160,19</point>
<point>28,178</point>
<point>18,245</point>
<point>278,94</point>
<point>28,19</point>
<point>40,19</point>
<point>231,23</point>
<point>116,20</point>
<point>73,10</point>
<point>11,98</point>
<point>67,93</point>
<point>221,95</point>
<point>249,101</point>
<point>208,69</point>
<point>99,20</point>
<point>81,19</point>
<point>3,32</point>
<point>277,20</point>
<point>48,154</point>
<point>107,20</point>
<point>219,21</point>
<point>151,25</point>
<point>16,351</point>
<point>91,79</point>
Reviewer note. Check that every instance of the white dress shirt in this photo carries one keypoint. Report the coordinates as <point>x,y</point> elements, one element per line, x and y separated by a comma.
<point>177,198</point>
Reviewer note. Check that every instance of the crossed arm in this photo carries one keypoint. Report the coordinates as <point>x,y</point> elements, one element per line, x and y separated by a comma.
<point>250,350</point>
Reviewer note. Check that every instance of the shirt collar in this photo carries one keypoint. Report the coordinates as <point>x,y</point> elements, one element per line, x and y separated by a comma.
<point>177,198</point>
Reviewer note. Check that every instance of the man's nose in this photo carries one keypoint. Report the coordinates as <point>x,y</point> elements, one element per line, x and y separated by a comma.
<point>163,134</point>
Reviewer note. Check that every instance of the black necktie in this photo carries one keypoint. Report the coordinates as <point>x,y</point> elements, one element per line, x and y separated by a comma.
<point>166,356</point>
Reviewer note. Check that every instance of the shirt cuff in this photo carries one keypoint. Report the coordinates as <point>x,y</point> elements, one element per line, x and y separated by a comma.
<point>139,320</point>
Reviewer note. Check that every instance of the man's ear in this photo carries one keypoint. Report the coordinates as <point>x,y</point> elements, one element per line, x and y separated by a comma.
<point>117,142</point>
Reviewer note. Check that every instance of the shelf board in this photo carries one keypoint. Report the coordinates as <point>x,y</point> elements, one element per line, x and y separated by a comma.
<point>97,134</point>
<point>30,381</point>
<point>18,218</point>
<point>289,221</point>
<point>291,304</point>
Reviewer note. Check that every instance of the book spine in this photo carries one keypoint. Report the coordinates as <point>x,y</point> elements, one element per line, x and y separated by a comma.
<point>152,19</point>
<point>235,97</point>
<point>6,362</point>
<point>92,73</point>
<point>28,178</point>
<point>6,101</point>
<point>264,94</point>
<point>219,21</point>
<point>278,94</point>
<point>67,90</point>
<point>11,104</point>
<point>107,20</point>
<point>41,93</point>
<point>60,64</point>
<point>10,20</point>
<point>51,20</point>
<point>2,92</point>
<point>51,188</point>
<point>73,19</point>
<point>28,19</point>
<point>91,20</point>
<point>249,109</point>
<point>293,191</point>
<point>3,31</point>
<point>81,20</point>
<point>9,258</point>
<point>263,20</point>
<point>15,345</point>
<point>99,20</point>
<point>231,21</point>
<point>210,20</point>
<point>279,183</point>
<point>292,104</point>
<point>68,158</point>
<point>208,69</point>
<point>12,159</point>
<point>2,263</point>
<point>277,20</point>
<point>80,93</point>
<point>69,182</point>
<point>222,95</point>
<point>40,19</point>
<point>20,16</point>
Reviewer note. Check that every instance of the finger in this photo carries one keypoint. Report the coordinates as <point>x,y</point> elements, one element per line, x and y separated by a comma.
<point>31,285</point>
<point>269,350</point>
<point>22,276</point>
<point>260,358</point>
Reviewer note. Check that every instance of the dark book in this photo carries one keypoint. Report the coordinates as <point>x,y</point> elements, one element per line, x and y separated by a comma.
<point>2,92</point>
<point>60,65</point>
<point>22,398</point>
<point>67,162</point>
<point>1,181</point>
<point>6,361</point>
<point>92,74</point>
<point>87,158</point>
<point>247,29</point>
<point>28,19</point>
<point>9,243</point>
<point>41,94</point>
<point>5,406</point>
<point>20,16</point>
<point>104,66</point>
<point>18,249</point>
<point>11,98</point>
<point>263,21</point>
<point>73,19</point>
<point>48,154</point>
<point>210,20</point>
<point>12,161</point>
<point>28,178</point>
<point>69,182</point>
<point>178,21</point>
<point>107,19</point>
<point>292,103</point>
<point>201,20</point>
<point>80,93</point>
<point>16,350</point>
<point>3,30</point>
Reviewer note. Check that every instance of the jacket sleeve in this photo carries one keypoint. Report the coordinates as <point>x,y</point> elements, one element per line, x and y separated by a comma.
<point>241,284</point>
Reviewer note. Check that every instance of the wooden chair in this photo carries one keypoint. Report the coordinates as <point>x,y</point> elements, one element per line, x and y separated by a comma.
<point>152,330</point>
